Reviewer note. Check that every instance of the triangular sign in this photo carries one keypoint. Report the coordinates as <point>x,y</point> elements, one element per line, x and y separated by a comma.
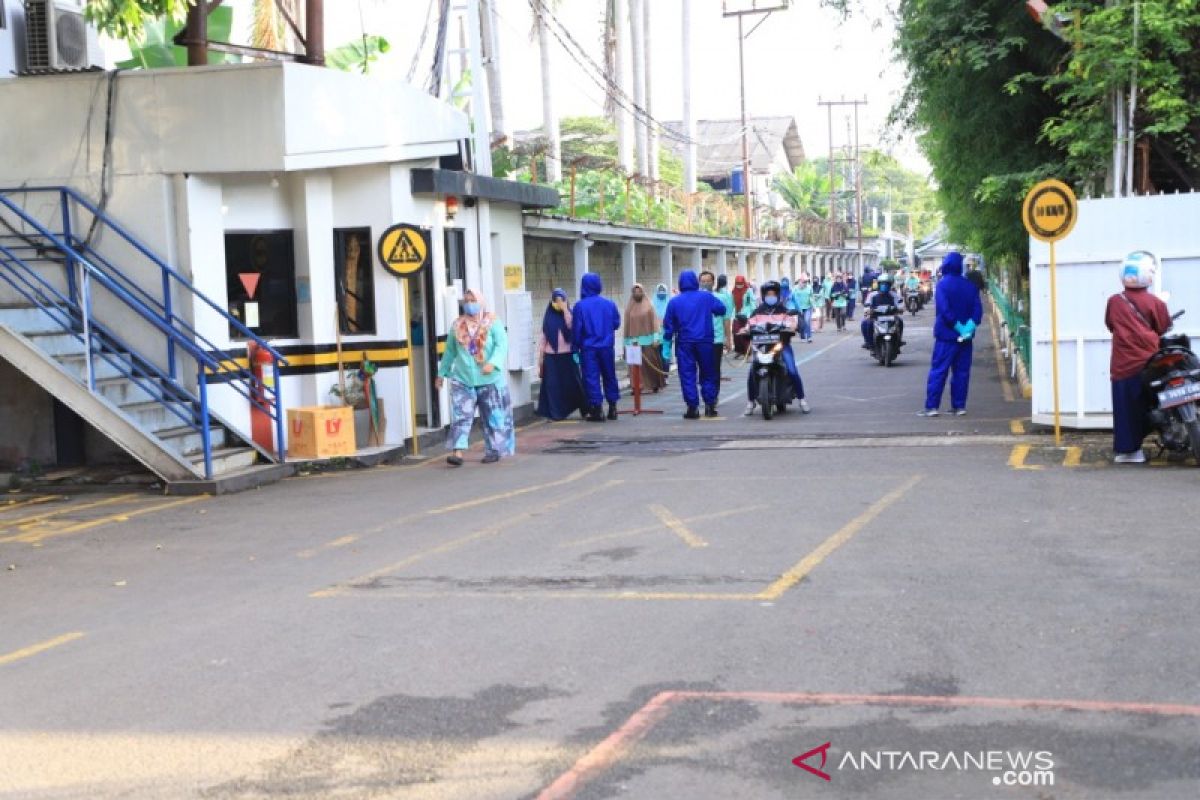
<point>404,251</point>
<point>250,282</point>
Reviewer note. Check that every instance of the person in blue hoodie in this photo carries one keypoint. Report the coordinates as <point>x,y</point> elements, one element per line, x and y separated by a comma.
<point>959,312</point>
<point>593,321</point>
<point>689,324</point>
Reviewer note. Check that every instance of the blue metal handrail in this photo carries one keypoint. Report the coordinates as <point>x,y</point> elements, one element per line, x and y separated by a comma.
<point>94,267</point>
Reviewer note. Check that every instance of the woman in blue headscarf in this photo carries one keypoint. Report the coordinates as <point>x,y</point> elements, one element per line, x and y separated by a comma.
<point>659,301</point>
<point>561,394</point>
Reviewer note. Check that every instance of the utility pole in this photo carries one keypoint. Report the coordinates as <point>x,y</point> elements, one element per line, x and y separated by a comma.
<point>742,9</point>
<point>651,129</point>
<point>689,115</point>
<point>641,127</point>
<point>829,104</point>
<point>625,133</point>
<point>491,62</point>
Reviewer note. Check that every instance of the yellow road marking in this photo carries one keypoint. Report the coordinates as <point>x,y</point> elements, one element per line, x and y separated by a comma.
<point>36,518</point>
<point>1004,384</point>
<point>36,536</point>
<point>455,544</point>
<point>1073,456</point>
<point>1017,427</point>
<point>40,647</point>
<point>651,528</point>
<point>1016,459</point>
<point>12,505</point>
<point>676,526</point>
<point>807,564</point>
<point>342,542</point>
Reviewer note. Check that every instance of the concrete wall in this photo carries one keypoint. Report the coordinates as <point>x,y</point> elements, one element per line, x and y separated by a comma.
<point>26,421</point>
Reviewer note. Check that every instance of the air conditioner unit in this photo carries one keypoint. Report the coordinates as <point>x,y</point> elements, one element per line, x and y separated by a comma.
<point>57,37</point>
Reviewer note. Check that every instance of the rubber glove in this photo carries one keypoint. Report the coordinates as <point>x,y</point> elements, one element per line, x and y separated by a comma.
<point>969,328</point>
<point>667,350</point>
<point>575,358</point>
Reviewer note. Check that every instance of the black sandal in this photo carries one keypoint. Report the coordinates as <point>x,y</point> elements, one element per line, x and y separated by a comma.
<point>454,461</point>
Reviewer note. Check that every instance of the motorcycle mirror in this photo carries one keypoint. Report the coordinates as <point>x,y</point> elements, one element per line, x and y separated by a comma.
<point>1178,314</point>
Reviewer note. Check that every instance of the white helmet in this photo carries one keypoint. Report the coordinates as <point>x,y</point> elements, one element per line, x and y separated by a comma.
<point>1139,270</point>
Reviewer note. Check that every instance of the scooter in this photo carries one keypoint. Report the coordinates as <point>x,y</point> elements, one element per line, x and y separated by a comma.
<point>1171,380</point>
<point>912,302</point>
<point>775,390</point>
<point>887,334</point>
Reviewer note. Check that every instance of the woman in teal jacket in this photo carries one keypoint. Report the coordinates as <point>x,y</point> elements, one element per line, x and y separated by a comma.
<point>476,352</point>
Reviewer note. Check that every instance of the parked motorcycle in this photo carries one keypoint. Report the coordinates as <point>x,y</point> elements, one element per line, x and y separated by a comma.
<point>1171,380</point>
<point>775,390</point>
<point>887,334</point>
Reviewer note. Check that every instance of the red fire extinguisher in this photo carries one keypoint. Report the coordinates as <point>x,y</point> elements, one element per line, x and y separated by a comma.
<point>261,428</point>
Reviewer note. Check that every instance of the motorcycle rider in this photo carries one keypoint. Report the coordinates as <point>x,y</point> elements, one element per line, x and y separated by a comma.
<point>1136,318</point>
<point>773,310</point>
<point>882,297</point>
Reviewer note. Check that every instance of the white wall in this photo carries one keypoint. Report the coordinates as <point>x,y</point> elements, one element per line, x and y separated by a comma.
<point>12,44</point>
<point>1088,264</point>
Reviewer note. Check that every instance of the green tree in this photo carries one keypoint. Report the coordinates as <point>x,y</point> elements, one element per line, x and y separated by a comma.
<point>806,189</point>
<point>127,19</point>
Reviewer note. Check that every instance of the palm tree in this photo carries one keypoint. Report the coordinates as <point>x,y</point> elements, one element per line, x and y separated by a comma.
<point>806,189</point>
<point>270,30</point>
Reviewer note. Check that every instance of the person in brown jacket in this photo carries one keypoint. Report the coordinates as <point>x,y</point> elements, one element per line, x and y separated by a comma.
<point>1136,318</point>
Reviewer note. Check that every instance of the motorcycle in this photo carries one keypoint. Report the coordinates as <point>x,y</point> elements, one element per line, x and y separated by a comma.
<point>912,302</point>
<point>1171,380</point>
<point>775,390</point>
<point>887,334</point>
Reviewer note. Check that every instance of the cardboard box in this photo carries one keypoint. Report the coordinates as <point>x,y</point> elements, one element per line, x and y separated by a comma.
<point>320,432</point>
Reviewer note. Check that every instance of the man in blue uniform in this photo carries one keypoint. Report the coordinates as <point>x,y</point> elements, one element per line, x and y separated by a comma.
<point>689,323</point>
<point>959,311</point>
<point>593,321</point>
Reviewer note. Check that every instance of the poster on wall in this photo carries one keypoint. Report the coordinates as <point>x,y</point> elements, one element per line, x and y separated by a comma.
<point>518,317</point>
<point>514,278</point>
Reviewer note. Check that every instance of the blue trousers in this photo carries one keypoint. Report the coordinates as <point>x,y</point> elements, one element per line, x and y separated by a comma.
<point>1129,415</point>
<point>806,324</point>
<point>850,307</point>
<point>599,366</point>
<point>693,356</point>
<point>949,357</point>
<point>789,363</point>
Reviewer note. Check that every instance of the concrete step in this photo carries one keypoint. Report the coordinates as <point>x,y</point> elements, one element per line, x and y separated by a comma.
<point>102,366</point>
<point>54,341</point>
<point>26,318</point>
<point>228,459</point>
<point>155,416</point>
<point>187,441</point>
<point>122,391</point>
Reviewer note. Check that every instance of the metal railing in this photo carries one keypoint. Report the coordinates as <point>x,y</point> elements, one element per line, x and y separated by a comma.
<point>1015,329</point>
<point>87,270</point>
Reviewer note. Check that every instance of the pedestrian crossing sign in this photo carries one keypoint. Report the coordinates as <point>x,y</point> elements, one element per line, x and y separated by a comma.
<point>404,249</point>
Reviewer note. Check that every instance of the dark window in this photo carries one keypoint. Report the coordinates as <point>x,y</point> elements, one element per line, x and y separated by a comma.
<point>354,280</point>
<point>456,256</point>
<point>260,277</point>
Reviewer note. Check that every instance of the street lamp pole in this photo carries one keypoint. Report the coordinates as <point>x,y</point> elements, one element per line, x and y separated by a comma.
<point>740,9</point>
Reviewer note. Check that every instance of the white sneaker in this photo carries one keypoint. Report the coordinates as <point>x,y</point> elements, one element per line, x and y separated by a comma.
<point>749,412</point>
<point>1136,457</point>
<point>958,412</point>
<point>804,406</point>
<point>929,412</point>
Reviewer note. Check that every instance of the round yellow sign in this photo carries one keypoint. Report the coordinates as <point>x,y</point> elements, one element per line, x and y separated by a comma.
<point>404,250</point>
<point>1050,211</point>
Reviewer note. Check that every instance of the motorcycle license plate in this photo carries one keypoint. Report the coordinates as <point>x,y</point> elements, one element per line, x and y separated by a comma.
<point>766,338</point>
<point>885,319</point>
<point>1179,395</point>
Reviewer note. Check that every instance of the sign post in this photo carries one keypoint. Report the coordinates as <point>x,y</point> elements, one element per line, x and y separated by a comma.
<point>404,251</point>
<point>1049,213</point>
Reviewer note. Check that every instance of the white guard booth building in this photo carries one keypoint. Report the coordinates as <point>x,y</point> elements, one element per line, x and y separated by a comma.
<point>1088,265</point>
<point>237,200</point>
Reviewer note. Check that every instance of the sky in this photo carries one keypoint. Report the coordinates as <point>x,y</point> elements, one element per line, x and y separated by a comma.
<point>795,58</point>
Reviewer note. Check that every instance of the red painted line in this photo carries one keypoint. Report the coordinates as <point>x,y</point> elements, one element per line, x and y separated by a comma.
<point>604,755</point>
<point>608,752</point>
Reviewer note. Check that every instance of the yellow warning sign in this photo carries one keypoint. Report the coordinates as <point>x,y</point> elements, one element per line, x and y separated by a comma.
<point>404,250</point>
<point>1050,211</point>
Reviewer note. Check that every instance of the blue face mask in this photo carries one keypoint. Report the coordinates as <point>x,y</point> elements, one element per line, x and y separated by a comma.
<point>470,309</point>
<point>770,299</point>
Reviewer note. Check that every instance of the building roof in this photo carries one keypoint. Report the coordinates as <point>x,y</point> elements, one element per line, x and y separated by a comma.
<point>719,151</point>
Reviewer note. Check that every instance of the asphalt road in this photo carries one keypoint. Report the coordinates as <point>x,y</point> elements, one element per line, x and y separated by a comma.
<point>654,608</point>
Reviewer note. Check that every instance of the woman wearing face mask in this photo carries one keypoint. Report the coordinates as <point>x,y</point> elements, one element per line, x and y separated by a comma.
<point>561,394</point>
<point>474,362</point>
<point>642,329</point>
<point>773,310</point>
<point>661,298</point>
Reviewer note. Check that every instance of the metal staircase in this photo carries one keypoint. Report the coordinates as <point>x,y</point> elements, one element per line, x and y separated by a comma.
<point>124,357</point>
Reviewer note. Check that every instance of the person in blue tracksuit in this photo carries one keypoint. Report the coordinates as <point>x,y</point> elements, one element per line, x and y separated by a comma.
<point>959,312</point>
<point>593,321</point>
<point>689,324</point>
